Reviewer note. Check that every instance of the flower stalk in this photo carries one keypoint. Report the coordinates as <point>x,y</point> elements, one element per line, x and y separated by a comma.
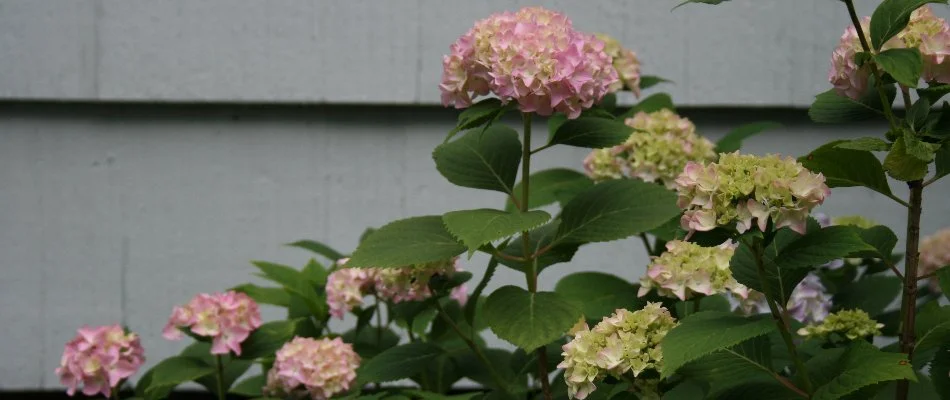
<point>219,377</point>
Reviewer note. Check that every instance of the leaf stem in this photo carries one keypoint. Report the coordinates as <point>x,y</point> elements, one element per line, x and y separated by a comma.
<point>779,320</point>
<point>502,385</point>
<point>530,262</point>
<point>909,298</point>
<point>888,113</point>
<point>646,243</point>
<point>379,322</point>
<point>219,377</point>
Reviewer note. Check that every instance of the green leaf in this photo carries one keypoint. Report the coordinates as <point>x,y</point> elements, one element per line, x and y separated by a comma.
<point>316,274</point>
<point>486,159</point>
<point>714,2</point>
<point>651,103</point>
<point>648,81</point>
<point>318,248</point>
<point>265,295</point>
<point>902,166</point>
<point>616,209</point>
<point>940,372</point>
<point>933,93</point>
<point>943,279</point>
<point>881,238</point>
<point>781,281</point>
<point>174,371</point>
<point>863,365</point>
<point>742,364</point>
<point>831,108</point>
<point>477,115</point>
<point>942,164</point>
<point>369,342</point>
<point>904,65</point>
<point>477,227</point>
<point>891,16</point>
<point>847,168</point>
<point>250,387</point>
<point>295,283</point>
<point>865,144</point>
<point>870,293</point>
<point>550,186</point>
<point>405,242</point>
<point>932,329</point>
<point>706,332</point>
<point>919,149</point>
<point>559,252</point>
<point>598,294</point>
<point>404,361</point>
<point>529,320</point>
<point>733,140</point>
<point>233,368</point>
<point>267,339</point>
<point>593,133</point>
<point>822,246</point>
<point>917,114</point>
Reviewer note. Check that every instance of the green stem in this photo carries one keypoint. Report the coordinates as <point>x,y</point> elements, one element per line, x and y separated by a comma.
<point>779,321</point>
<point>530,264</point>
<point>646,243</point>
<point>499,381</point>
<point>909,298</point>
<point>219,377</point>
<point>888,113</point>
<point>379,323</point>
<point>696,302</point>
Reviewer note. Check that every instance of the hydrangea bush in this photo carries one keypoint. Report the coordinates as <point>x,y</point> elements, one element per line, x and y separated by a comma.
<point>748,292</point>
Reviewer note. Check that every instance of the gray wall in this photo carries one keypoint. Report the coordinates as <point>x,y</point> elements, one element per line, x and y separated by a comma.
<point>115,213</point>
<point>747,52</point>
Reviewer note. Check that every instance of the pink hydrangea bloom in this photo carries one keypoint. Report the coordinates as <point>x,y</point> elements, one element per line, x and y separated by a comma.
<point>315,368</point>
<point>346,287</point>
<point>626,63</point>
<point>934,254</point>
<point>686,270</point>
<point>228,318</point>
<point>99,359</point>
<point>849,79</point>
<point>534,57</point>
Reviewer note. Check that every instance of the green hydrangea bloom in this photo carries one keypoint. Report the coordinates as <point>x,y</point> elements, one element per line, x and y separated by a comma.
<point>747,189</point>
<point>853,220</point>
<point>686,269</point>
<point>852,324</point>
<point>657,151</point>
<point>623,343</point>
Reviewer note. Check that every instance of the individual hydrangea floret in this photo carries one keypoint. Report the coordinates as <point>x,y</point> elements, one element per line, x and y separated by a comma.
<point>934,254</point>
<point>623,343</point>
<point>687,269</point>
<point>657,151</point>
<point>925,32</point>
<point>312,368</point>
<point>748,190</point>
<point>98,359</point>
<point>852,324</point>
<point>346,287</point>
<point>626,63</point>
<point>227,318</point>
<point>534,57</point>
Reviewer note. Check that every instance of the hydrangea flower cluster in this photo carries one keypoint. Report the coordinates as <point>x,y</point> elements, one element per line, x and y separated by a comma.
<point>312,368</point>
<point>228,318</point>
<point>934,254</point>
<point>534,57</point>
<point>748,190</point>
<point>809,302</point>
<point>687,269</point>
<point>625,342</point>
<point>925,31</point>
<point>346,287</point>
<point>626,63</point>
<point>99,359</point>
<point>657,151</point>
<point>852,324</point>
